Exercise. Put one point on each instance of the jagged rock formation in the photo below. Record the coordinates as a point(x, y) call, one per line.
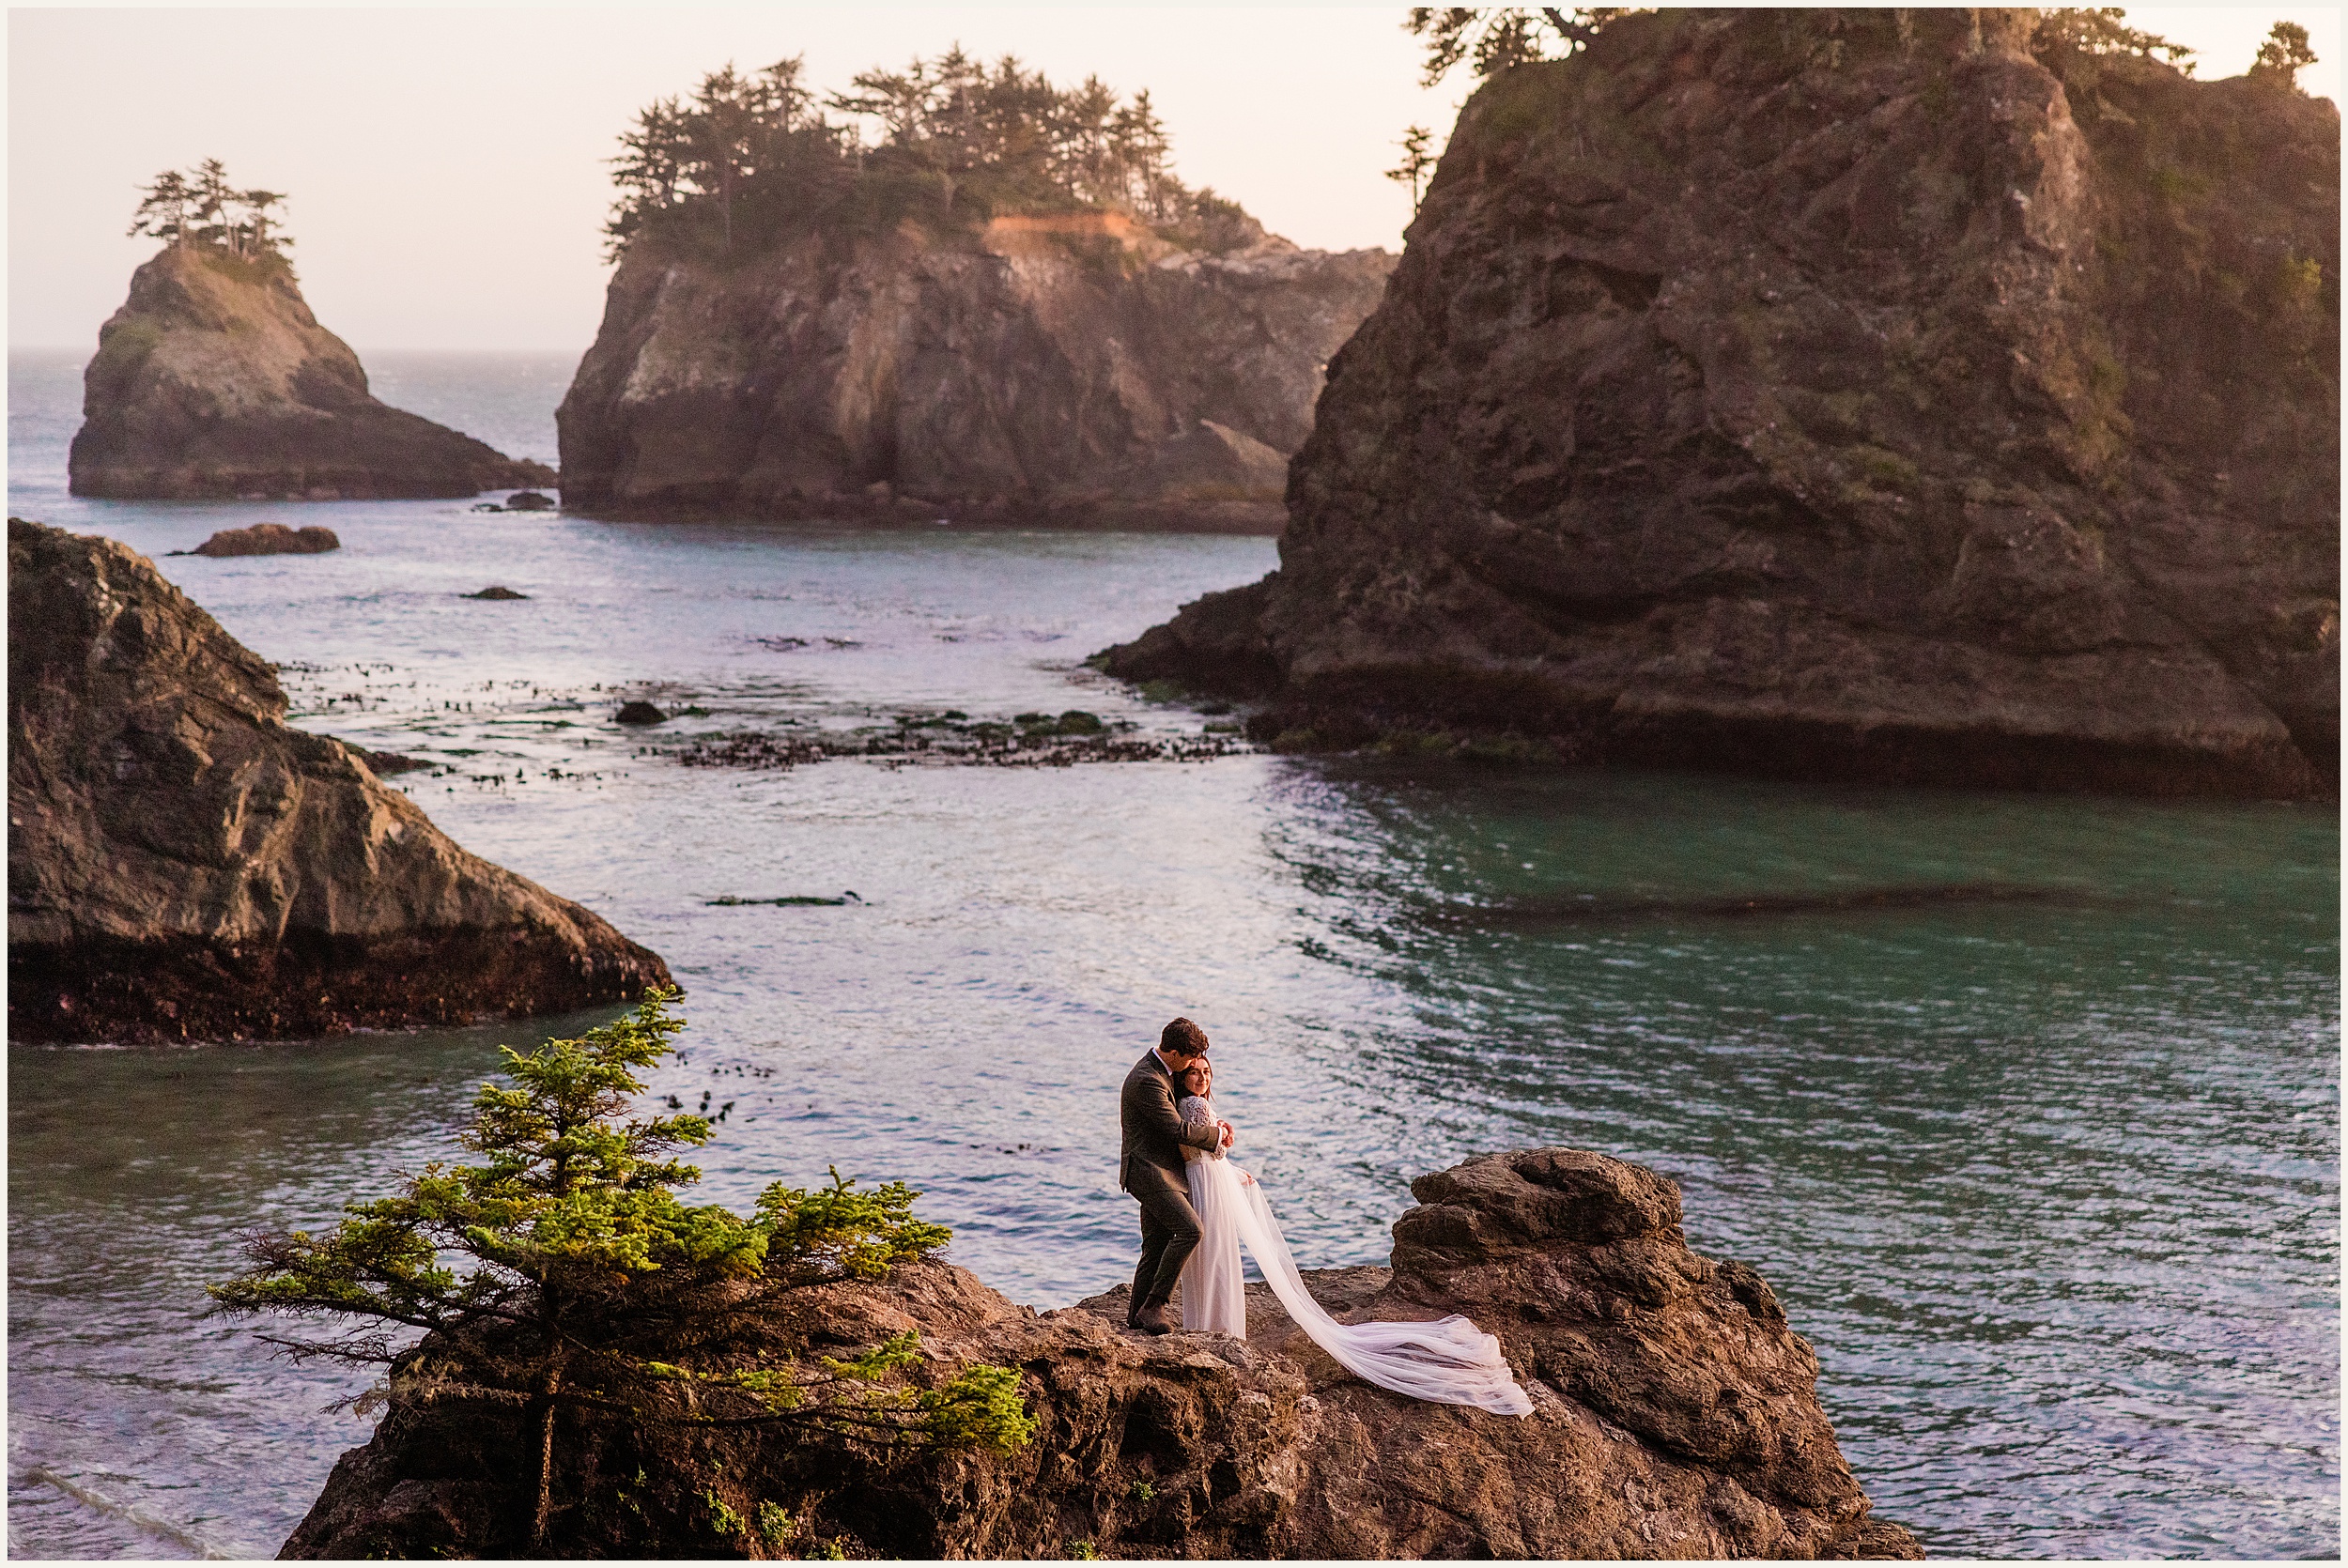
point(1076, 370)
point(1675, 1416)
point(1894, 396)
point(214, 381)
point(182, 866)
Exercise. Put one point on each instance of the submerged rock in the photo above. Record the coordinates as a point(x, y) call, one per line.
point(528, 500)
point(497, 590)
point(638, 712)
point(214, 381)
point(1072, 369)
point(182, 866)
point(1676, 1415)
point(1892, 395)
point(270, 539)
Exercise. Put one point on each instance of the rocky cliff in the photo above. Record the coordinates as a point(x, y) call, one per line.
point(1894, 396)
point(1075, 370)
point(214, 381)
point(1676, 1415)
point(182, 866)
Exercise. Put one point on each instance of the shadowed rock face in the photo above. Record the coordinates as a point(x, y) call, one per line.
point(1074, 370)
point(181, 866)
point(214, 381)
point(1675, 1416)
point(1834, 394)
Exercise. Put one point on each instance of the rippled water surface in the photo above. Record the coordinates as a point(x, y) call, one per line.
point(2050, 1181)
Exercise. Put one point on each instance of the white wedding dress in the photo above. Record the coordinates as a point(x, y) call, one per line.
point(1451, 1360)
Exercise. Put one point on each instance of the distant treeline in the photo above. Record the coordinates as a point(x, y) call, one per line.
point(752, 159)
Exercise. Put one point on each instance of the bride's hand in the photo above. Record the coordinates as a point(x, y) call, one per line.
point(1246, 1180)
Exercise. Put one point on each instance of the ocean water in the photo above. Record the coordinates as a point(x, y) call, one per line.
point(2051, 1182)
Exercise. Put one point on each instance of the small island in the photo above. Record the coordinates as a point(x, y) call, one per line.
point(214, 382)
point(959, 292)
point(1779, 465)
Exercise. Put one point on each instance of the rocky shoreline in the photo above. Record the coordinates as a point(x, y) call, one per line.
point(183, 866)
point(1675, 1416)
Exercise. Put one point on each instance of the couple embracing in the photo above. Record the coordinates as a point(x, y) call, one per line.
point(1198, 1208)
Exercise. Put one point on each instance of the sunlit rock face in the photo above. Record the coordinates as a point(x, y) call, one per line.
point(182, 866)
point(1892, 395)
point(214, 381)
point(1676, 1415)
point(1072, 370)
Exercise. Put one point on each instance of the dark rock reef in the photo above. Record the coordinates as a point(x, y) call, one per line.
point(214, 381)
point(182, 866)
point(1909, 397)
point(1072, 369)
point(267, 539)
point(1676, 1415)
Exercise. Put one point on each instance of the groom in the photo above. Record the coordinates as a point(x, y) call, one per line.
point(1149, 1166)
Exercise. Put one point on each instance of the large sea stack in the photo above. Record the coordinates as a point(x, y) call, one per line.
point(1676, 1415)
point(214, 381)
point(182, 866)
point(1906, 395)
point(1071, 369)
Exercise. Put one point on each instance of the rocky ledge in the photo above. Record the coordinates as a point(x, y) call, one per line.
point(182, 866)
point(214, 381)
point(1910, 396)
point(1072, 370)
point(1676, 1415)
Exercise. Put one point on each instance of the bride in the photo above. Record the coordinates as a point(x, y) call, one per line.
point(1451, 1360)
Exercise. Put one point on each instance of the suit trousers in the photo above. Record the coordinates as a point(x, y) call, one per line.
point(1169, 1232)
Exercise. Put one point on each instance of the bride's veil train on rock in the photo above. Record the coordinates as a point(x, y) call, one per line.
point(1449, 1361)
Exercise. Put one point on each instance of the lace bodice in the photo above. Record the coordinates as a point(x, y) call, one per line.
point(1194, 1109)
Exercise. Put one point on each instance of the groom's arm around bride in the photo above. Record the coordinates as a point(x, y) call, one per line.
point(1149, 1166)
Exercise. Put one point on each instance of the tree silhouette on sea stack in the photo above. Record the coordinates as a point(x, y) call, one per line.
point(199, 206)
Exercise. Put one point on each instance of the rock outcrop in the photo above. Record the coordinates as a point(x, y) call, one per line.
point(182, 866)
point(1873, 394)
point(1675, 1416)
point(1075, 370)
point(214, 381)
point(269, 539)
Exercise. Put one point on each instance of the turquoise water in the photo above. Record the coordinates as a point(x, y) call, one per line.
point(2052, 1181)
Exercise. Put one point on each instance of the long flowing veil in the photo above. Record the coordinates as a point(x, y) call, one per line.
point(1451, 1360)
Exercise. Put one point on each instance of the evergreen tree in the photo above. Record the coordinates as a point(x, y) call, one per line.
point(257, 234)
point(164, 207)
point(2280, 57)
point(1494, 39)
point(951, 138)
point(210, 195)
point(1418, 163)
point(199, 205)
point(2102, 30)
point(563, 1268)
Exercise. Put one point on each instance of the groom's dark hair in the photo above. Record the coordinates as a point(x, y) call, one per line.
point(1183, 1037)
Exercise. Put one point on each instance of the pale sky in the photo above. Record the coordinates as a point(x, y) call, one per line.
point(445, 165)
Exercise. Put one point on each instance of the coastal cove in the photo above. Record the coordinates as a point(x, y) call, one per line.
point(2046, 1168)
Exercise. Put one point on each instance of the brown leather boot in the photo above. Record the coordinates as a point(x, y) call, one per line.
point(1151, 1319)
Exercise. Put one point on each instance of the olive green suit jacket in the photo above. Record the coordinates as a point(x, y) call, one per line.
point(1154, 1130)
